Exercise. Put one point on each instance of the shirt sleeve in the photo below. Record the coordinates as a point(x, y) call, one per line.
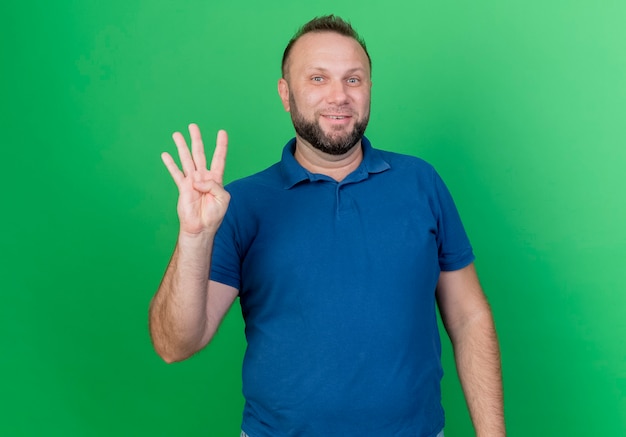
point(226, 259)
point(454, 248)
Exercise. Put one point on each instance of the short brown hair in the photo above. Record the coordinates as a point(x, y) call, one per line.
point(327, 23)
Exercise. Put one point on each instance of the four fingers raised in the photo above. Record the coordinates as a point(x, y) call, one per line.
point(195, 161)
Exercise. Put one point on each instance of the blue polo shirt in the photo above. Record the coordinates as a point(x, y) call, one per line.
point(337, 288)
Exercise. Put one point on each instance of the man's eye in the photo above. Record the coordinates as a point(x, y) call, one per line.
point(353, 80)
point(317, 79)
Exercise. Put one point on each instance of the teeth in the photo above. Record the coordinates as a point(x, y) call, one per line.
point(335, 117)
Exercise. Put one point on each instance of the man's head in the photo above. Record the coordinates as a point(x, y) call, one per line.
point(327, 23)
point(326, 85)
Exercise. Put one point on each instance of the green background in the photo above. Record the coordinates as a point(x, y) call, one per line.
point(520, 105)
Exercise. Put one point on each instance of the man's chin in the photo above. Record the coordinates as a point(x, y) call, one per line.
point(337, 137)
point(336, 140)
point(337, 146)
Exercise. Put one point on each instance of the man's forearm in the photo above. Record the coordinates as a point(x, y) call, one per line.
point(477, 357)
point(178, 317)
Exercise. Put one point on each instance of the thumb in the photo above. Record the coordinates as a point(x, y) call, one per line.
point(213, 188)
point(206, 186)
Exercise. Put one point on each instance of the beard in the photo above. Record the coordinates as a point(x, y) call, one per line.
point(337, 142)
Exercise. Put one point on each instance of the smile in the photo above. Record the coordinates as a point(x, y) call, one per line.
point(337, 117)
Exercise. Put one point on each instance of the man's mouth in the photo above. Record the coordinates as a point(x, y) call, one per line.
point(336, 116)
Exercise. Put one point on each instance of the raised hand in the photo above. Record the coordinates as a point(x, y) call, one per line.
point(202, 200)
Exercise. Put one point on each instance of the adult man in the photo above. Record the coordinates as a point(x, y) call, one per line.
point(335, 252)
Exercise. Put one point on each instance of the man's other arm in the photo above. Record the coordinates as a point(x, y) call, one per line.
point(468, 320)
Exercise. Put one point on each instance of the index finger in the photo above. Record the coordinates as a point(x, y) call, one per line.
point(218, 162)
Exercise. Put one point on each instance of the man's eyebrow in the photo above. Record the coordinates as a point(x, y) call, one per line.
point(355, 69)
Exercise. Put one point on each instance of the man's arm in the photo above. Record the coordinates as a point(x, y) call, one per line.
point(469, 323)
point(187, 308)
point(184, 316)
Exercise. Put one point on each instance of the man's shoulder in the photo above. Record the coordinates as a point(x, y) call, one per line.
point(403, 161)
point(271, 176)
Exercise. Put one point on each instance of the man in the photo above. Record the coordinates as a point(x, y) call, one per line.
point(339, 254)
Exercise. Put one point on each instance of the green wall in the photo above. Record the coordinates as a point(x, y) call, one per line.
point(520, 105)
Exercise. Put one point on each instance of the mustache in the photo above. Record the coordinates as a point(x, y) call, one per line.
point(337, 110)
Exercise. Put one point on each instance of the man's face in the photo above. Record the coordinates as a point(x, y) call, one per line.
point(327, 91)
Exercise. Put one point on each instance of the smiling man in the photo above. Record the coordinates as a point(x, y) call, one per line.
point(327, 92)
point(339, 254)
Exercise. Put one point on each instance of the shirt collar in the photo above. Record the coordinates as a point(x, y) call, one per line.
point(293, 172)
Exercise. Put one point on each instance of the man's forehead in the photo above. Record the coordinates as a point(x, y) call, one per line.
point(325, 39)
point(314, 46)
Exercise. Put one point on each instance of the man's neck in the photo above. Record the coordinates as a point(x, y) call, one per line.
point(337, 167)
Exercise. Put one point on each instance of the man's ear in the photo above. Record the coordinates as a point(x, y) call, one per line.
point(283, 92)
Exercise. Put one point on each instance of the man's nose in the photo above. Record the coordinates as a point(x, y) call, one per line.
point(337, 93)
